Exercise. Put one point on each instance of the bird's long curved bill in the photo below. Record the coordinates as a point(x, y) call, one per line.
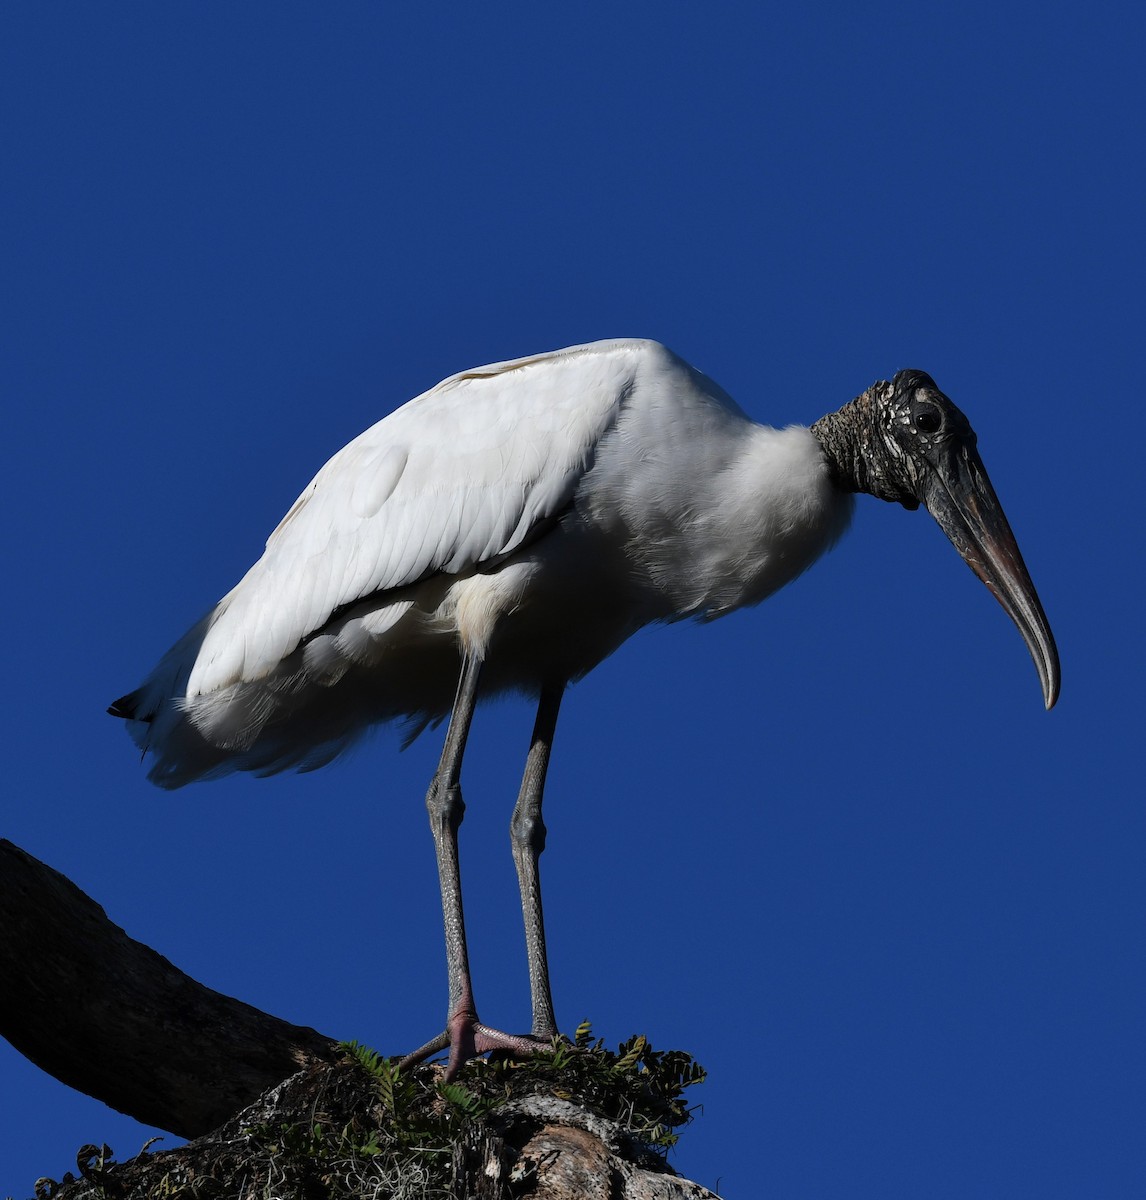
point(961, 499)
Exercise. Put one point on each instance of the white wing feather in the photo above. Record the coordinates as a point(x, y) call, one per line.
point(458, 476)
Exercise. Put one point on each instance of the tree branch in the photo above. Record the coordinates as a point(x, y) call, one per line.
point(112, 1018)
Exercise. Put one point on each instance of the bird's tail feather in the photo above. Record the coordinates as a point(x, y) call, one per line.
point(292, 719)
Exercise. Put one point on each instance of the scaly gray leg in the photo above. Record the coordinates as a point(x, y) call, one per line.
point(527, 832)
point(464, 1036)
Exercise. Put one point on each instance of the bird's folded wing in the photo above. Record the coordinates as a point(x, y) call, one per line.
point(456, 477)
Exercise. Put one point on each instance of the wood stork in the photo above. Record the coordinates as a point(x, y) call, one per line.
point(509, 529)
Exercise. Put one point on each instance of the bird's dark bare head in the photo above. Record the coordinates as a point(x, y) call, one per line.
point(905, 442)
point(887, 441)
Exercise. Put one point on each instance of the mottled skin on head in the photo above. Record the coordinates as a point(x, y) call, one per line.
point(882, 442)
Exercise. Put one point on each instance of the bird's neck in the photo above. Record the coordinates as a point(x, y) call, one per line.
point(856, 449)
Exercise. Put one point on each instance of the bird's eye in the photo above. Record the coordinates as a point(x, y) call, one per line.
point(928, 419)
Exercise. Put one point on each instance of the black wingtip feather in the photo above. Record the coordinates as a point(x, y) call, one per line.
point(125, 707)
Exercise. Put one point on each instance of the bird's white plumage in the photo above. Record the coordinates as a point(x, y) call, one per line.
point(541, 509)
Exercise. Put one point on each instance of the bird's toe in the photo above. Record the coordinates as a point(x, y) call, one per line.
point(466, 1038)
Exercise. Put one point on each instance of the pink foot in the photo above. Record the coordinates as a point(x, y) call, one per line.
point(467, 1039)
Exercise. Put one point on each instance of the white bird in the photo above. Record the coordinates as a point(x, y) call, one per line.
point(508, 530)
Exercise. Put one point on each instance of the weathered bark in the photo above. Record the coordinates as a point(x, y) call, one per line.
point(112, 1018)
point(553, 1150)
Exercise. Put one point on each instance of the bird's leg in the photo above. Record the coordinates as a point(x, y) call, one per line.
point(527, 833)
point(463, 1035)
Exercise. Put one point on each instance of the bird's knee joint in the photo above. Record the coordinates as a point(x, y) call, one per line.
point(445, 805)
point(527, 829)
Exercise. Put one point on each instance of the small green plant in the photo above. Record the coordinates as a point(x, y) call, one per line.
point(413, 1116)
point(395, 1088)
point(640, 1088)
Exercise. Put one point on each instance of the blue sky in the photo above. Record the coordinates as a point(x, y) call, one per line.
point(833, 846)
